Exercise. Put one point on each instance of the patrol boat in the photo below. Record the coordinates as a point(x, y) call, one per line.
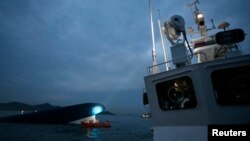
point(189, 96)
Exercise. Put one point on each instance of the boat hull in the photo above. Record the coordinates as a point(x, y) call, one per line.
point(60, 115)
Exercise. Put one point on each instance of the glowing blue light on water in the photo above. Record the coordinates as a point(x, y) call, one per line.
point(97, 110)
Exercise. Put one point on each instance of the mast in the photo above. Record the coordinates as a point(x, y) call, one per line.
point(163, 42)
point(155, 68)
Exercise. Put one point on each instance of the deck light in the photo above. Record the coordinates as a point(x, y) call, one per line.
point(200, 19)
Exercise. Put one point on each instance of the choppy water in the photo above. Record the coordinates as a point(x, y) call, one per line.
point(124, 128)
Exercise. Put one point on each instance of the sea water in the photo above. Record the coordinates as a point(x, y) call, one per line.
point(123, 128)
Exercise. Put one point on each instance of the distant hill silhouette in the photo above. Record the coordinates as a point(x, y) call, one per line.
point(106, 113)
point(18, 106)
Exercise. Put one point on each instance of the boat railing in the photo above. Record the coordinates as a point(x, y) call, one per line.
point(160, 67)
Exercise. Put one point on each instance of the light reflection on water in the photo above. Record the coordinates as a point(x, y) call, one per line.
point(93, 133)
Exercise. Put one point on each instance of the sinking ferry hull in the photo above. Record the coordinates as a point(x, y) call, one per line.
point(60, 115)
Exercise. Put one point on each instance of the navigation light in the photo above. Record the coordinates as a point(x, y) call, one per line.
point(200, 19)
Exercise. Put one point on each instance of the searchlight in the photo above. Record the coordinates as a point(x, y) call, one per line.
point(97, 109)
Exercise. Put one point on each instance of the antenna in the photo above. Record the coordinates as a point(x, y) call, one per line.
point(162, 41)
point(194, 4)
point(155, 68)
point(213, 26)
point(199, 18)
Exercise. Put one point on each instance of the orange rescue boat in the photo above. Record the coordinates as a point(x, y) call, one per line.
point(97, 124)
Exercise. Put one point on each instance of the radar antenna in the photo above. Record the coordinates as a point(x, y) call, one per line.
point(194, 4)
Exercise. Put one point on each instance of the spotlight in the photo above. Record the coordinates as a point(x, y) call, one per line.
point(173, 27)
point(97, 110)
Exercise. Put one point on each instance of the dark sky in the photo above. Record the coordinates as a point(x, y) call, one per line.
point(75, 51)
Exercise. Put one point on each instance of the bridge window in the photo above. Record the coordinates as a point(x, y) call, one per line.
point(232, 85)
point(176, 94)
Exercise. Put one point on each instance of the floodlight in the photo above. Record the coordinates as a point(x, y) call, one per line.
point(97, 110)
point(173, 27)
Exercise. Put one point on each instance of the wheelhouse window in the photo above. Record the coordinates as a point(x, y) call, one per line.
point(176, 94)
point(232, 85)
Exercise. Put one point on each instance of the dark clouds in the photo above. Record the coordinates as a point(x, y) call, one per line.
point(66, 52)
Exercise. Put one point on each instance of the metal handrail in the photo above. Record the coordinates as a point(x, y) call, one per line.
point(191, 55)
